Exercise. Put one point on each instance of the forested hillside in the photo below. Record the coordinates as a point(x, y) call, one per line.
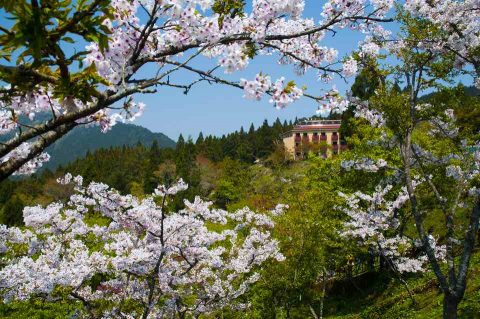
point(246, 145)
point(82, 140)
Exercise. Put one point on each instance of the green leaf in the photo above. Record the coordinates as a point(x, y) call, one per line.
point(68, 39)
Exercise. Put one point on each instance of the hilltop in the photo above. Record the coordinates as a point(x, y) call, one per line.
point(82, 140)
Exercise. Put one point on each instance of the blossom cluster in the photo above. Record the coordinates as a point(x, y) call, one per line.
point(444, 126)
point(369, 48)
point(198, 258)
point(127, 113)
point(281, 94)
point(362, 110)
point(364, 164)
point(373, 220)
point(348, 8)
point(23, 151)
point(255, 89)
point(464, 167)
point(458, 25)
point(23, 110)
point(13, 108)
point(350, 67)
point(334, 103)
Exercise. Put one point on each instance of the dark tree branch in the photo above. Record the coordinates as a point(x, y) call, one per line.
point(13, 164)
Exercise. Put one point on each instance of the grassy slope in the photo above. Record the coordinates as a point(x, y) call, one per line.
point(383, 298)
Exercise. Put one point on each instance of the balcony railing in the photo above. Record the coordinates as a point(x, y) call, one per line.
point(334, 137)
point(323, 137)
point(321, 122)
point(298, 138)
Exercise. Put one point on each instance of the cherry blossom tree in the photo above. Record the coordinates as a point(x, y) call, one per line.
point(454, 29)
point(138, 46)
point(435, 164)
point(125, 257)
point(434, 167)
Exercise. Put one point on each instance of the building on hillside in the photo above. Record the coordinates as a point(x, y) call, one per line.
point(320, 137)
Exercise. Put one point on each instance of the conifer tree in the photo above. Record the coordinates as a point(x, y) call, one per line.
point(200, 139)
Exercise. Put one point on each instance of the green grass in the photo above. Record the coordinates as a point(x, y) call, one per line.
point(38, 310)
point(386, 298)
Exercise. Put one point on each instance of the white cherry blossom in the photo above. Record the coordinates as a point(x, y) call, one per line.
point(163, 262)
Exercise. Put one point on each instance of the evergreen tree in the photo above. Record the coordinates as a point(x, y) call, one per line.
point(12, 213)
point(251, 130)
point(155, 153)
point(180, 142)
point(185, 161)
point(200, 139)
point(366, 82)
point(155, 157)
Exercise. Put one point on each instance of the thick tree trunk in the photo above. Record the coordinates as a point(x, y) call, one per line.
point(450, 307)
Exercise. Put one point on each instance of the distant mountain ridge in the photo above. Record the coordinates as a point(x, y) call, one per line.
point(469, 90)
point(81, 140)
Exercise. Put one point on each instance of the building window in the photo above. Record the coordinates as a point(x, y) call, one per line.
point(334, 136)
point(335, 143)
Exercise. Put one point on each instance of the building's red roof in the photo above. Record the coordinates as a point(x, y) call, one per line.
point(316, 127)
point(324, 125)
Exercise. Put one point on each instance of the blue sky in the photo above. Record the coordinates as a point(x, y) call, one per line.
point(216, 109)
